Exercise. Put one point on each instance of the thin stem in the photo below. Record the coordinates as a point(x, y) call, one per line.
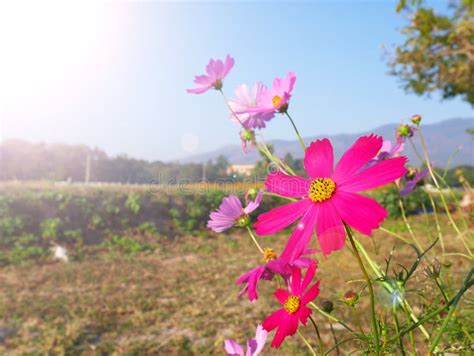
point(336, 344)
point(336, 347)
point(438, 228)
point(254, 239)
point(333, 318)
point(379, 274)
point(357, 320)
point(394, 234)
point(375, 329)
point(321, 347)
point(397, 328)
point(410, 334)
point(279, 196)
point(297, 132)
point(307, 343)
point(443, 200)
point(405, 220)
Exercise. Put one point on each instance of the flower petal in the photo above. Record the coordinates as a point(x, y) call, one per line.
point(251, 278)
point(363, 150)
point(282, 295)
point(296, 281)
point(331, 234)
point(301, 237)
point(303, 313)
point(272, 321)
point(362, 213)
point(251, 206)
point(279, 218)
point(311, 294)
point(319, 159)
point(287, 328)
point(233, 348)
point(308, 277)
point(379, 174)
point(287, 186)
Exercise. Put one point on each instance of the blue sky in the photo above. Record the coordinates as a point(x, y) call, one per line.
point(114, 76)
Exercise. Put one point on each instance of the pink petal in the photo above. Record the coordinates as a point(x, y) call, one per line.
point(311, 294)
point(319, 159)
point(202, 80)
point(279, 218)
point(362, 213)
point(375, 176)
point(363, 150)
point(296, 281)
point(272, 321)
point(301, 237)
point(287, 328)
point(303, 313)
point(251, 279)
point(199, 90)
point(287, 186)
point(331, 234)
point(282, 295)
point(228, 65)
point(233, 348)
point(255, 348)
point(308, 277)
point(251, 206)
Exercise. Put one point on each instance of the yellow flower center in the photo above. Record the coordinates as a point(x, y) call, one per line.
point(217, 84)
point(276, 101)
point(269, 254)
point(292, 304)
point(321, 189)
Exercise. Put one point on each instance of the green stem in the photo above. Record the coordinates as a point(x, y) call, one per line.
point(394, 234)
point(297, 132)
point(333, 318)
point(379, 274)
point(279, 196)
point(307, 343)
point(321, 347)
point(405, 220)
point(357, 320)
point(410, 334)
point(336, 344)
point(397, 328)
point(443, 200)
point(375, 329)
point(254, 239)
point(438, 228)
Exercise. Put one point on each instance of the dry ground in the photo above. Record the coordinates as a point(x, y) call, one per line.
point(179, 300)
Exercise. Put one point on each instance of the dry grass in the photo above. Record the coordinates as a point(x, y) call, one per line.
point(179, 300)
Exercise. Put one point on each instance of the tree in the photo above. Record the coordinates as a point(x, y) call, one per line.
point(438, 53)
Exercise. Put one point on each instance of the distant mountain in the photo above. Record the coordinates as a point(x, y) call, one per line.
point(446, 140)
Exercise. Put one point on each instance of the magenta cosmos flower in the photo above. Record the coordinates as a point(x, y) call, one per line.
point(273, 265)
point(276, 98)
point(231, 212)
point(245, 100)
point(412, 183)
point(329, 198)
point(254, 346)
point(216, 72)
point(294, 309)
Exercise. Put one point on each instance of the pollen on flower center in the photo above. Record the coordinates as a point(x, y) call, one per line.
point(217, 84)
point(321, 189)
point(269, 254)
point(292, 304)
point(276, 101)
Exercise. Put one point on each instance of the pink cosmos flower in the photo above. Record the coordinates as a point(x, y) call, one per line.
point(216, 72)
point(266, 271)
point(388, 151)
point(254, 346)
point(245, 100)
point(231, 212)
point(329, 198)
point(276, 98)
point(411, 184)
point(294, 305)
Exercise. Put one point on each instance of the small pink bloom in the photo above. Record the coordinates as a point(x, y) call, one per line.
point(411, 184)
point(216, 72)
point(246, 100)
point(388, 151)
point(294, 302)
point(275, 99)
point(329, 198)
point(273, 265)
point(254, 346)
point(230, 212)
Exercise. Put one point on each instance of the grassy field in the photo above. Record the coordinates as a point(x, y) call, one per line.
point(178, 296)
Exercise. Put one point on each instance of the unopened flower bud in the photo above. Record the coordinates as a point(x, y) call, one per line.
point(405, 131)
point(416, 119)
point(251, 194)
point(327, 306)
point(350, 298)
point(244, 221)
